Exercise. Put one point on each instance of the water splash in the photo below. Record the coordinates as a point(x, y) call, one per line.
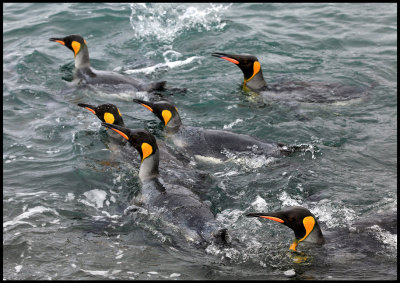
point(166, 21)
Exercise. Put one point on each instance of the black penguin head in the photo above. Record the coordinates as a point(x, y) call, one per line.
point(143, 141)
point(249, 64)
point(299, 219)
point(74, 42)
point(108, 113)
point(164, 110)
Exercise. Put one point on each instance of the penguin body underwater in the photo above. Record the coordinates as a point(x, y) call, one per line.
point(86, 74)
point(374, 232)
point(290, 91)
point(208, 142)
point(300, 220)
point(179, 167)
point(176, 204)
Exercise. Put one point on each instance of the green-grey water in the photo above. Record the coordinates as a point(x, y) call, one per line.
point(65, 190)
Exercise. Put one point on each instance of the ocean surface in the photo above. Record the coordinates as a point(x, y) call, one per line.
point(65, 189)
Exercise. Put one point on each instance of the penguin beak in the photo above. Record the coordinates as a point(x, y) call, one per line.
point(59, 40)
point(88, 107)
point(124, 132)
point(146, 104)
point(228, 57)
point(269, 216)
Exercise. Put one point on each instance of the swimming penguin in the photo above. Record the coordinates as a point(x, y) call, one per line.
point(176, 204)
point(211, 143)
point(197, 180)
point(108, 113)
point(306, 92)
point(300, 220)
point(84, 73)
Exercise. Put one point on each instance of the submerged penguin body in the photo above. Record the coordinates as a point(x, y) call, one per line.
point(174, 203)
point(289, 91)
point(209, 142)
point(85, 74)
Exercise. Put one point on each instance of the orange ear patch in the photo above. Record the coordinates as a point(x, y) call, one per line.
point(76, 46)
point(273, 218)
point(147, 150)
point(109, 118)
point(309, 223)
point(166, 115)
point(256, 69)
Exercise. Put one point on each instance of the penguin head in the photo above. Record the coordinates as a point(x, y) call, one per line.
point(108, 113)
point(300, 220)
point(164, 110)
point(143, 141)
point(75, 42)
point(250, 67)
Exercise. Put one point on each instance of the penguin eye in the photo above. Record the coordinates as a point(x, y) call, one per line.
point(109, 118)
point(147, 150)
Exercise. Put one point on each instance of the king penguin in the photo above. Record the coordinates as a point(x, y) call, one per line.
point(290, 91)
point(86, 74)
point(178, 166)
point(108, 113)
point(175, 204)
point(300, 220)
point(211, 143)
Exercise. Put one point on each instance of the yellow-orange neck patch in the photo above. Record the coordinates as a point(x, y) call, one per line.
point(147, 150)
point(109, 118)
point(293, 246)
point(309, 224)
point(256, 69)
point(76, 46)
point(166, 115)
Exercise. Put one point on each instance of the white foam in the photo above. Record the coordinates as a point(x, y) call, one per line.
point(69, 197)
point(251, 161)
point(259, 204)
point(230, 125)
point(288, 201)
point(384, 236)
point(96, 272)
point(208, 159)
point(28, 214)
point(18, 268)
point(166, 21)
point(175, 275)
point(97, 196)
point(166, 65)
point(326, 212)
